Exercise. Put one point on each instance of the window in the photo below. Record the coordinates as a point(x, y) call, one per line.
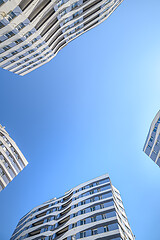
point(82, 222)
point(155, 152)
point(75, 214)
point(83, 202)
point(31, 62)
point(28, 34)
point(43, 49)
point(74, 225)
point(104, 181)
point(94, 231)
point(21, 56)
point(106, 229)
point(113, 226)
point(48, 219)
point(82, 234)
point(63, 13)
point(18, 41)
point(6, 48)
point(1, 172)
point(27, 59)
point(35, 55)
point(66, 20)
point(45, 229)
point(93, 219)
point(101, 206)
point(39, 45)
point(60, 3)
point(74, 5)
point(155, 129)
point(1, 24)
point(83, 211)
point(92, 199)
point(10, 16)
point(20, 26)
point(10, 34)
point(103, 216)
point(46, 53)
point(92, 209)
point(25, 46)
point(39, 58)
point(13, 53)
point(5, 179)
point(151, 139)
point(75, 14)
point(76, 205)
point(34, 40)
point(76, 22)
point(1, 2)
point(31, 51)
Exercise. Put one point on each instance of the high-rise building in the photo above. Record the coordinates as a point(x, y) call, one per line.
point(32, 32)
point(12, 160)
point(93, 210)
point(152, 144)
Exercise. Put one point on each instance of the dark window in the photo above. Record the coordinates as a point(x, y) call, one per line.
point(20, 26)
point(1, 2)
point(1, 25)
point(28, 34)
point(10, 34)
point(11, 15)
point(6, 48)
point(15, 52)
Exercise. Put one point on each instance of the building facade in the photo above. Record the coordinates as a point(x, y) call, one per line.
point(32, 32)
point(92, 210)
point(12, 160)
point(152, 144)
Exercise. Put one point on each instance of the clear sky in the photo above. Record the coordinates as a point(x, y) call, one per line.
point(88, 112)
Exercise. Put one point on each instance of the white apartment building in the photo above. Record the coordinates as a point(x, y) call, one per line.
point(152, 143)
point(12, 160)
point(91, 211)
point(32, 32)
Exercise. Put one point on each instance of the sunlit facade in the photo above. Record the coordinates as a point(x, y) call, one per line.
point(32, 32)
point(12, 160)
point(93, 210)
point(152, 144)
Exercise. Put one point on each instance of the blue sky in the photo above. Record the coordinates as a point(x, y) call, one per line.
point(88, 112)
